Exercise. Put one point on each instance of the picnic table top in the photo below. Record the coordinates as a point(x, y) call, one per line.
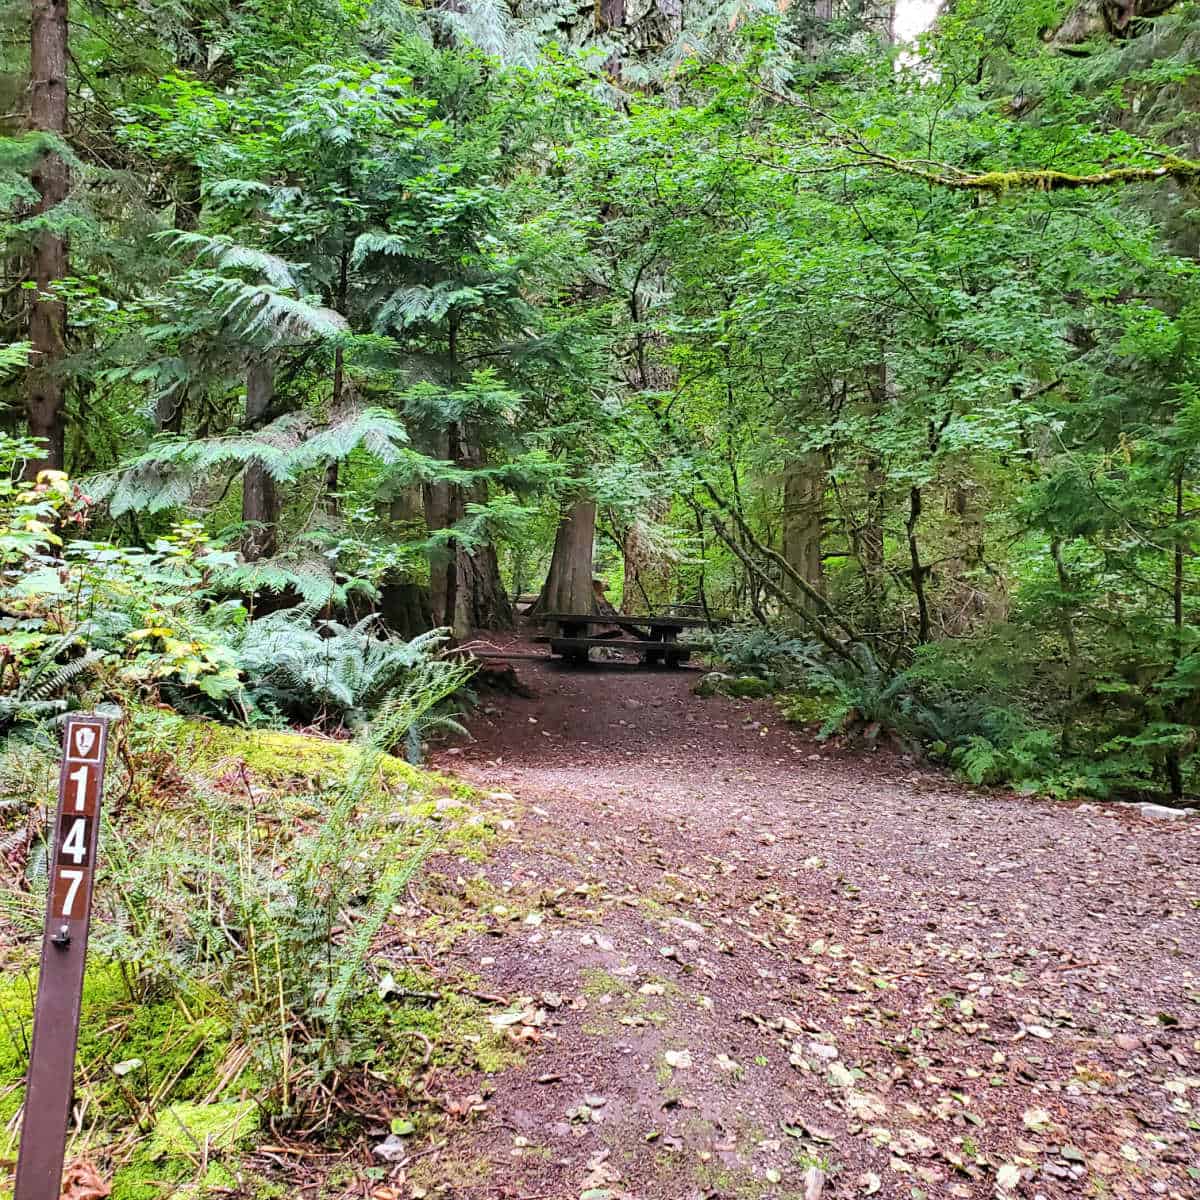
point(625, 619)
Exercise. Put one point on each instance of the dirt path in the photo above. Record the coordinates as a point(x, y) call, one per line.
point(754, 968)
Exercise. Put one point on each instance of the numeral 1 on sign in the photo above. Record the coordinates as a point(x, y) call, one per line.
point(48, 1085)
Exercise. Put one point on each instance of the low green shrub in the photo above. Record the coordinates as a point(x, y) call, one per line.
point(760, 651)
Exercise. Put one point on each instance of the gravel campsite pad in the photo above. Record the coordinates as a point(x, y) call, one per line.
point(742, 963)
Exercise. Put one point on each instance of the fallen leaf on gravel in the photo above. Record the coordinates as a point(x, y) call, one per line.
point(462, 1106)
point(801, 1129)
point(504, 1019)
point(600, 1173)
point(867, 1106)
point(392, 1149)
point(678, 1060)
point(840, 1076)
point(1008, 1177)
point(1037, 1119)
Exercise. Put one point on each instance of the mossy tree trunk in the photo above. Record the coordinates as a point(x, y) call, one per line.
point(803, 518)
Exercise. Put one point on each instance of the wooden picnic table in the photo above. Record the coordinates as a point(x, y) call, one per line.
point(655, 638)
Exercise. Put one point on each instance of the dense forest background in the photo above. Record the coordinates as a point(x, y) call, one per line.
point(889, 354)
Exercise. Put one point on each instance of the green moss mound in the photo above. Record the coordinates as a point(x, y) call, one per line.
point(279, 758)
point(184, 1129)
point(801, 708)
point(129, 1049)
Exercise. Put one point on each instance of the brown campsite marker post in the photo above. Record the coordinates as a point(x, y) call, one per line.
point(72, 869)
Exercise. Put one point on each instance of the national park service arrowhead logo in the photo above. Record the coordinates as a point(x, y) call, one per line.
point(85, 741)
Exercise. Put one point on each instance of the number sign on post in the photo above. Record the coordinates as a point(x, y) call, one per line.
point(48, 1086)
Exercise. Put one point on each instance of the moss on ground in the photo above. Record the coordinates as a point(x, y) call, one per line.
point(296, 764)
point(203, 1129)
point(456, 1027)
point(278, 758)
point(131, 1051)
point(450, 1174)
point(628, 1005)
point(803, 708)
point(144, 1179)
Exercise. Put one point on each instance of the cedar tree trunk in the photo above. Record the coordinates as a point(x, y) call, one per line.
point(568, 586)
point(465, 588)
point(47, 315)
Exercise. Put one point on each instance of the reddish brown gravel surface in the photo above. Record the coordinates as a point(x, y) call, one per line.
point(744, 964)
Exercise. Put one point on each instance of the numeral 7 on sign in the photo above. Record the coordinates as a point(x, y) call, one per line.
point(74, 878)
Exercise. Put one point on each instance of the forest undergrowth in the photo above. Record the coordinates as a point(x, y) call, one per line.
point(240, 990)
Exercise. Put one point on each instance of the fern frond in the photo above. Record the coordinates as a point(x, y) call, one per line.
point(61, 678)
point(377, 241)
point(408, 305)
point(229, 255)
point(266, 312)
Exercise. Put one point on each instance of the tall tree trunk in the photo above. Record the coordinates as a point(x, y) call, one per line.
point(465, 588)
point(330, 497)
point(803, 516)
point(870, 536)
point(260, 500)
point(440, 513)
point(1175, 711)
point(482, 601)
point(918, 572)
point(568, 586)
point(403, 602)
point(48, 315)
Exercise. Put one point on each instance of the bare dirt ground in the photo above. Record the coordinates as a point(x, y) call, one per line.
point(750, 966)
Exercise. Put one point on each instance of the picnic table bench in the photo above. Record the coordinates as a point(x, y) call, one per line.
point(655, 638)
